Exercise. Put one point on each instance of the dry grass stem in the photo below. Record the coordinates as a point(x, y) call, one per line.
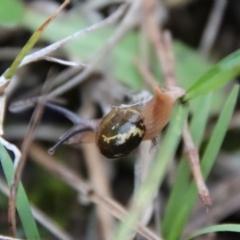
point(64, 62)
point(148, 77)
point(193, 158)
point(162, 49)
point(18, 170)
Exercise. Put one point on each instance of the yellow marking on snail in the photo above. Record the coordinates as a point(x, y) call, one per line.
point(125, 136)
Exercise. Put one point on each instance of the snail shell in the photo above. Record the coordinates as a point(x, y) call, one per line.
point(120, 132)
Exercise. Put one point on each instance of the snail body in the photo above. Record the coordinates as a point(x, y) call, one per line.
point(158, 112)
point(124, 128)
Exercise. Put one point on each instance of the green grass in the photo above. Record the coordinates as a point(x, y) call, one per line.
point(217, 228)
point(22, 204)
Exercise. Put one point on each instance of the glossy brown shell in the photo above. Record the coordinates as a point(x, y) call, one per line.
point(120, 132)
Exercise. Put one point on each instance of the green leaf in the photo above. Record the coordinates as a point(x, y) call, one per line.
point(216, 77)
point(22, 204)
point(11, 12)
point(217, 228)
point(208, 159)
point(156, 174)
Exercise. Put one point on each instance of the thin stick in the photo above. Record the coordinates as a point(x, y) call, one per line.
point(148, 77)
point(193, 157)
point(164, 55)
point(20, 165)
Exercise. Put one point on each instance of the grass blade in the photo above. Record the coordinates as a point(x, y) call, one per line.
point(22, 204)
point(156, 174)
point(216, 77)
point(207, 162)
point(31, 42)
point(182, 182)
point(217, 228)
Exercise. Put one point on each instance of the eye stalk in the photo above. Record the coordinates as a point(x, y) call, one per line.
point(123, 129)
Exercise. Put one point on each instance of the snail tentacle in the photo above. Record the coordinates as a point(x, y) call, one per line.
point(70, 133)
point(81, 125)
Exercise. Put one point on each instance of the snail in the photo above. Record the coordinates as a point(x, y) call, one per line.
point(123, 129)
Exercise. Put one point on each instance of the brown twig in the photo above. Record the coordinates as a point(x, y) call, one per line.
point(148, 77)
point(19, 168)
point(193, 157)
point(165, 56)
point(20, 165)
